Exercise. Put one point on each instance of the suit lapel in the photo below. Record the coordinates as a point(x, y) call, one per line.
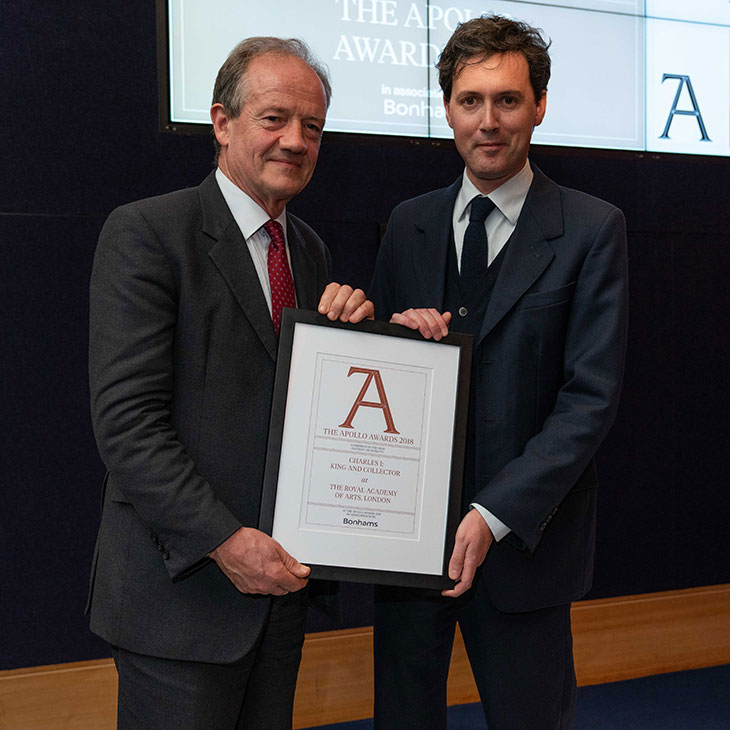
point(529, 252)
point(431, 255)
point(230, 255)
point(303, 267)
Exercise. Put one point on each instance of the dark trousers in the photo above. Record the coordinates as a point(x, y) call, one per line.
point(254, 693)
point(522, 662)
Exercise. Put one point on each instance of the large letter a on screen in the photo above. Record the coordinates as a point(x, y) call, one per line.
point(684, 80)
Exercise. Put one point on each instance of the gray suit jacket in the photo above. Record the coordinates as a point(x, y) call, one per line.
point(547, 373)
point(182, 359)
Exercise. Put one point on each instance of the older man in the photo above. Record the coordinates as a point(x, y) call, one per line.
point(205, 613)
point(537, 274)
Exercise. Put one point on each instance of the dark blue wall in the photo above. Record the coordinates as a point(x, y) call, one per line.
point(78, 126)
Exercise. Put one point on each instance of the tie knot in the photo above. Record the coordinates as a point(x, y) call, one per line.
point(481, 207)
point(275, 231)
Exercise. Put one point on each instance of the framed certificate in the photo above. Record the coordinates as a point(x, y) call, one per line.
point(366, 446)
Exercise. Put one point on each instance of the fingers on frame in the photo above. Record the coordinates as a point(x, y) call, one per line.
point(352, 304)
point(328, 295)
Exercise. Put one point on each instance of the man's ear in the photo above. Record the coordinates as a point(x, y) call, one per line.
point(448, 113)
point(541, 107)
point(219, 117)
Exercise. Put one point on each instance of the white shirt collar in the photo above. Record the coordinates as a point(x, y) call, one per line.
point(248, 214)
point(508, 197)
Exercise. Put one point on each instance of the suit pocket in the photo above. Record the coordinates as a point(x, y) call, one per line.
point(549, 298)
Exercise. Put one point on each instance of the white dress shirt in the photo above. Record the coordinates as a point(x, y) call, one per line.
point(250, 218)
point(508, 199)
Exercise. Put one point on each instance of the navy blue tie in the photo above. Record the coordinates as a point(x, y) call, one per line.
point(474, 251)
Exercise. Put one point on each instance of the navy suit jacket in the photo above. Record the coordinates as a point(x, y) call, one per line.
point(182, 359)
point(547, 373)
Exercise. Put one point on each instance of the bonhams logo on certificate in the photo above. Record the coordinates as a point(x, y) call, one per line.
point(364, 456)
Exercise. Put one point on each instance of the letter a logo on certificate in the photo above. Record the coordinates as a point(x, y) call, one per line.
point(382, 403)
point(363, 474)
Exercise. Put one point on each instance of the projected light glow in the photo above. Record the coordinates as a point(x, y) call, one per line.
point(649, 75)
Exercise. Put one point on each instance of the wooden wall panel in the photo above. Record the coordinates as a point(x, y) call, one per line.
point(615, 639)
point(78, 696)
point(637, 636)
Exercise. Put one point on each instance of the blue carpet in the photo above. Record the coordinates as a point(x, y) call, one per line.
point(696, 700)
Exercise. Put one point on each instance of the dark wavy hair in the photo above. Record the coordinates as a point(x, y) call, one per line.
point(483, 37)
point(231, 88)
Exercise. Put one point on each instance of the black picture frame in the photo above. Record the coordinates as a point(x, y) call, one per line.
point(346, 566)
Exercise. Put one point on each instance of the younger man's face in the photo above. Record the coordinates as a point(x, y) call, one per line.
point(493, 111)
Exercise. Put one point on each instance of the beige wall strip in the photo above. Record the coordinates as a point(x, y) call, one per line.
point(615, 639)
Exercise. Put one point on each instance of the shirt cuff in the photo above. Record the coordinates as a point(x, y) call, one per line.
point(498, 528)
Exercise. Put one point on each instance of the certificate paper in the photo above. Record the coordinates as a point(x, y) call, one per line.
point(362, 450)
point(364, 470)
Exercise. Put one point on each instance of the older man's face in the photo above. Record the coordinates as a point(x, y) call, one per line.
point(271, 148)
point(493, 111)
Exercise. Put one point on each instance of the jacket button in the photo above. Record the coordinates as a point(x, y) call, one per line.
point(165, 555)
point(463, 311)
point(543, 525)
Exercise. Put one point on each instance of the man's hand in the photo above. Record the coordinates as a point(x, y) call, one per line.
point(429, 322)
point(345, 303)
point(473, 540)
point(256, 563)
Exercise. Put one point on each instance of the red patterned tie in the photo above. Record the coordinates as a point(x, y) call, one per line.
point(280, 281)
